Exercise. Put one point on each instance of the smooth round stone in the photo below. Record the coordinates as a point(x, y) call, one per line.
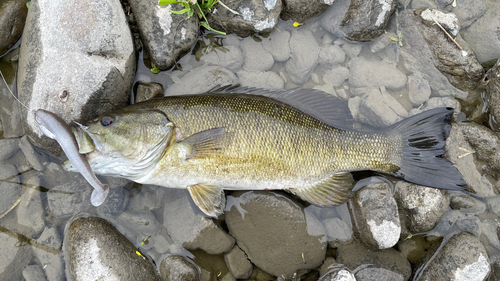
point(179, 268)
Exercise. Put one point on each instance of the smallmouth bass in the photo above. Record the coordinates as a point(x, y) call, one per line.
point(240, 138)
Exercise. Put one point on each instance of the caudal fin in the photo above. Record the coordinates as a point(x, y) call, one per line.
point(424, 138)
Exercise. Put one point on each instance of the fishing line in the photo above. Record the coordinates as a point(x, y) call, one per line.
point(7, 85)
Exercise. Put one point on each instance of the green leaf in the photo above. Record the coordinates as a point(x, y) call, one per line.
point(155, 70)
point(205, 25)
point(28, 4)
point(167, 2)
point(393, 38)
point(180, 12)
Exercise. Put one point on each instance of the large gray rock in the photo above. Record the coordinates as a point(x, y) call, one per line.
point(95, 250)
point(50, 255)
point(463, 257)
point(420, 208)
point(77, 60)
point(230, 57)
point(254, 16)
point(376, 215)
point(178, 268)
point(278, 45)
point(13, 258)
point(238, 264)
point(460, 153)
point(482, 35)
point(492, 80)
point(417, 57)
point(331, 20)
point(355, 255)
point(191, 229)
point(304, 56)
point(274, 232)
point(373, 74)
point(165, 35)
point(460, 68)
point(301, 11)
point(12, 17)
point(202, 79)
point(367, 19)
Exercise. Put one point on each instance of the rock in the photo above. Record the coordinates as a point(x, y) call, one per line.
point(135, 223)
point(89, 74)
point(13, 258)
point(492, 80)
point(265, 80)
point(377, 109)
point(458, 153)
point(165, 35)
point(188, 227)
point(147, 91)
point(377, 274)
point(34, 158)
point(8, 147)
point(458, 202)
point(460, 68)
point(278, 45)
point(179, 268)
point(336, 76)
point(50, 254)
point(145, 197)
point(11, 191)
point(331, 20)
point(254, 17)
point(414, 248)
point(231, 57)
point(436, 103)
point(34, 273)
point(337, 230)
point(202, 79)
point(376, 215)
point(332, 271)
point(480, 35)
point(256, 57)
point(419, 89)
point(238, 264)
point(355, 254)
point(417, 56)
point(486, 146)
point(95, 250)
point(268, 222)
point(331, 56)
point(10, 111)
point(463, 257)
point(367, 19)
point(448, 21)
point(30, 211)
point(373, 74)
point(352, 50)
point(420, 208)
point(70, 198)
point(12, 17)
point(302, 11)
point(304, 56)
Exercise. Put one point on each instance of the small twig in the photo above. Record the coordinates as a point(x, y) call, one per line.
point(445, 32)
point(231, 10)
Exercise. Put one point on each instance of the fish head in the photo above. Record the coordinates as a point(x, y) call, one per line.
point(125, 143)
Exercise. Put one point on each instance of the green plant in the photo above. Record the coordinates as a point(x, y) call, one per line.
point(397, 39)
point(192, 6)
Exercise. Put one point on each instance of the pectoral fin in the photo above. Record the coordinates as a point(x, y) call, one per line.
point(333, 191)
point(209, 198)
point(205, 143)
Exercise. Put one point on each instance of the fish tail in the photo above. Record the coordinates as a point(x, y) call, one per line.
point(424, 138)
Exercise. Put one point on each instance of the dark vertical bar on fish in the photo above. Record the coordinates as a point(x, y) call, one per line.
point(56, 128)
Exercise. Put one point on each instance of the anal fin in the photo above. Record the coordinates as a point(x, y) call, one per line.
point(209, 198)
point(332, 191)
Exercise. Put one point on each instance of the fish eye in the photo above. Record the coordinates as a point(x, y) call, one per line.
point(107, 121)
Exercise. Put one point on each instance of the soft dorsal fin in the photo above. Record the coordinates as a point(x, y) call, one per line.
point(320, 105)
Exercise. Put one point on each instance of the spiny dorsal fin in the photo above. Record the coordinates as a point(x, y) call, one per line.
point(333, 191)
point(318, 104)
point(205, 143)
point(209, 198)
